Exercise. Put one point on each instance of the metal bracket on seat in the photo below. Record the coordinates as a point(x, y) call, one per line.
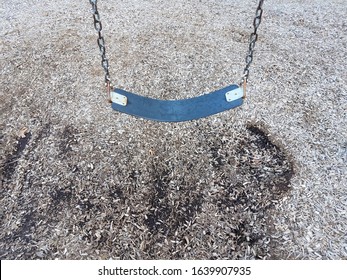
point(177, 110)
point(119, 98)
point(234, 94)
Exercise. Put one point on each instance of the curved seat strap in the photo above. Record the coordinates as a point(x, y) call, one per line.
point(177, 110)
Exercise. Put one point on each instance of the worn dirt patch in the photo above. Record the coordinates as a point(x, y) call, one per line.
point(164, 209)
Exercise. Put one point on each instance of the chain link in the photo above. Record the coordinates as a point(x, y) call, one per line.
point(101, 42)
point(253, 39)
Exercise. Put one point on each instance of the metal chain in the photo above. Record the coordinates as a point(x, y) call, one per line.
point(101, 44)
point(252, 41)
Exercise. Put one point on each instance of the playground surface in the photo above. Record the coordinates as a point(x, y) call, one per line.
point(267, 180)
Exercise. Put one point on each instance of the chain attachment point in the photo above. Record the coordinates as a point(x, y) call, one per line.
point(108, 91)
point(244, 89)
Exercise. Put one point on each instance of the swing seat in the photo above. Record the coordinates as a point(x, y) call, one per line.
point(177, 110)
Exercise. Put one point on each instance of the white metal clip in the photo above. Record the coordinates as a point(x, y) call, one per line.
point(119, 98)
point(234, 94)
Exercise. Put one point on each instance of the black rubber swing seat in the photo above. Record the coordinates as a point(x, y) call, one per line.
point(177, 110)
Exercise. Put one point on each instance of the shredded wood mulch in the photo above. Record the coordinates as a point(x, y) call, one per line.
point(167, 206)
point(264, 181)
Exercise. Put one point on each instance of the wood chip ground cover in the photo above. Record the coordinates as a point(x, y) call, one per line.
point(264, 181)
